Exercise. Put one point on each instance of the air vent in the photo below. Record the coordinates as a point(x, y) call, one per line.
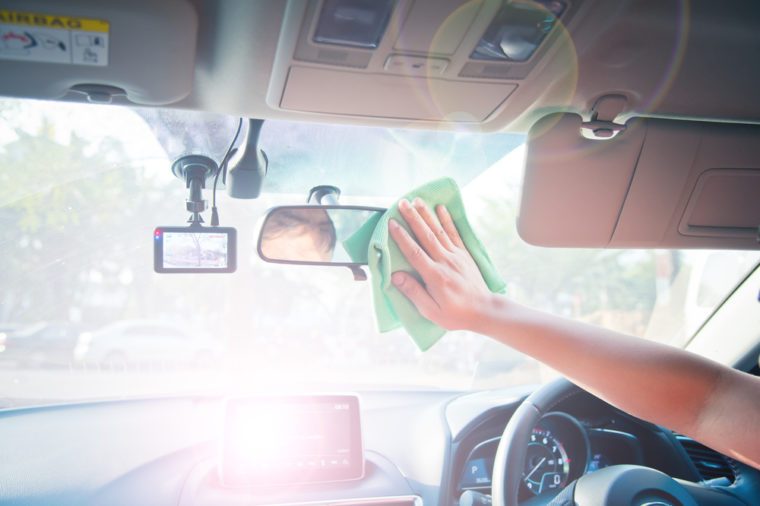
point(709, 463)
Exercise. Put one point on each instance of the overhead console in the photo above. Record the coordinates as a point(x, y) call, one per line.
point(417, 60)
point(657, 184)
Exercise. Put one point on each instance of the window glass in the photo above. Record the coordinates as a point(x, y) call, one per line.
point(82, 188)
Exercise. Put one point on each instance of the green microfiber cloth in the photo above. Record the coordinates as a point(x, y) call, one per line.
point(372, 244)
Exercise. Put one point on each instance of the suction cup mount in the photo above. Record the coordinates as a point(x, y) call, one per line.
point(195, 171)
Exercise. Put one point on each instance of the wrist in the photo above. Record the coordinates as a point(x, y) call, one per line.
point(490, 310)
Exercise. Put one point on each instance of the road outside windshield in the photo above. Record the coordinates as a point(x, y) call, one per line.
point(83, 315)
point(186, 250)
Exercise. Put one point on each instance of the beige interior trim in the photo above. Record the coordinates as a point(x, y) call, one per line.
point(658, 184)
point(667, 62)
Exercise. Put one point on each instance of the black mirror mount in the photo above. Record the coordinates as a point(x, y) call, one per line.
point(358, 272)
point(324, 195)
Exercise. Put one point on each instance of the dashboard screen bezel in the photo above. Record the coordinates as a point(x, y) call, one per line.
point(232, 477)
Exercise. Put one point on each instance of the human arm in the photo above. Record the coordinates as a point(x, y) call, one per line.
point(669, 386)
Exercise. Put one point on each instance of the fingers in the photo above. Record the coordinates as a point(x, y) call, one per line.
point(416, 293)
point(449, 226)
point(412, 251)
point(432, 222)
point(424, 234)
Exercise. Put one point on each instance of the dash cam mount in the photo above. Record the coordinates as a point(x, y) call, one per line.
point(195, 171)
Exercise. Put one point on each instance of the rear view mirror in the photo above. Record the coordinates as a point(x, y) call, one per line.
point(315, 235)
point(194, 249)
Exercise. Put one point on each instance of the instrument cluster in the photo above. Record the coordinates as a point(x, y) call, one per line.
point(560, 449)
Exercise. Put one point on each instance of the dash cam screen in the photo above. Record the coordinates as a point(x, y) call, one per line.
point(195, 249)
point(189, 250)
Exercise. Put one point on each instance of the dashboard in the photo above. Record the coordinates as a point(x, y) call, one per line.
point(415, 448)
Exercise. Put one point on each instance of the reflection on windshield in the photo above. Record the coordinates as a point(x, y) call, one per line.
point(82, 314)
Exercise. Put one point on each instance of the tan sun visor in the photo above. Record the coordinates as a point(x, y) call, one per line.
point(659, 183)
point(142, 51)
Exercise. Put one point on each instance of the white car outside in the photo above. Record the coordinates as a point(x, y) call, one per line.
point(146, 341)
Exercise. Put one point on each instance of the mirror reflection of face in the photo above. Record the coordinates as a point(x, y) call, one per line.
point(295, 245)
point(306, 235)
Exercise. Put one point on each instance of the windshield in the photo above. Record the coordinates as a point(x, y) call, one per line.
point(83, 315)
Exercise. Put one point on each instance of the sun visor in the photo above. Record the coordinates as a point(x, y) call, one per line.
point(141, 51)
point(657, 184)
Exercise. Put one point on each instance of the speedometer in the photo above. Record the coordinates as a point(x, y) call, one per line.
point(547, 465)
point(557, 454)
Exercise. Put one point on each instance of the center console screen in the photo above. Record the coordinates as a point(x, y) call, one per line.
point(291, 439)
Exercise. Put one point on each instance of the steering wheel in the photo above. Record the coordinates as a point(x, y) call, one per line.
point(614, 485)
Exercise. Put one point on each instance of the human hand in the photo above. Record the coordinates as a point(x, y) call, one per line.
point(454, 292)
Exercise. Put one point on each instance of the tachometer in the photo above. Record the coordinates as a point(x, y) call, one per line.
point(547, 465)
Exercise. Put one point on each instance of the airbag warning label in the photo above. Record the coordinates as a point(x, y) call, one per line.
point(28, 36)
